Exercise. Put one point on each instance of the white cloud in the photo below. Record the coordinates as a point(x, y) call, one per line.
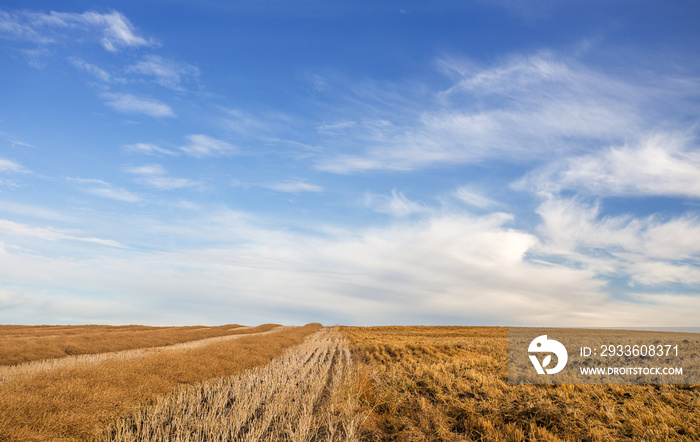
point(395, 204)
point(205, 146)
point(34, 211)
point(658, 164)
point(156, 176)
point(652, 273)
point(646, 250)
point(113, 29)
point(130, 104)
point(105, 190)
point(336, 126)
point(442, 267)
point(525, 110)
point(117, 29)
point(473, 197)
point(10, 166)
point(91, 69)
point(164, 72)
point(295, 187)
point(114, 193)
point(149, 148)
point(50, 234)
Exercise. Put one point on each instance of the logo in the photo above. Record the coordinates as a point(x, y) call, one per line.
point(543, 345)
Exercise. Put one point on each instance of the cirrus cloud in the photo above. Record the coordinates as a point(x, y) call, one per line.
point(113, 29)
point(131, 104)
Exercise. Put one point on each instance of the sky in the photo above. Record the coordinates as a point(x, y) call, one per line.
point(350, 162)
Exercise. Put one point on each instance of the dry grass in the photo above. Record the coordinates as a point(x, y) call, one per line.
point(19, 344)
point(450, 383)
point(10, 372)
point(304, 395)
point(80, 402)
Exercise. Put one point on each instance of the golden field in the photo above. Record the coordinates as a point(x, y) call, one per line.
point(80, 401)
point(314, 383)
point(25, 344)
point(451, 383)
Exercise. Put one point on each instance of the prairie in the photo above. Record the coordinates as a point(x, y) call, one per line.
point(20, 344)
point(317, 383)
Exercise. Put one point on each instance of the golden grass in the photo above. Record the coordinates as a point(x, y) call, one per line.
point(304, 395)
point(9, 372)
point(80, 402)
point(19, 344)
point(450, 383)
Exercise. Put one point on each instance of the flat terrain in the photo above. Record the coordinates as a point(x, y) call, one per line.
point(314, 383)
point(81, 400)
point(34, 343)
point(450, 383)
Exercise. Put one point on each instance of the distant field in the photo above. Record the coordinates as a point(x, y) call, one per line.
point(316, 383)
point(450, 383)
point(20, 343)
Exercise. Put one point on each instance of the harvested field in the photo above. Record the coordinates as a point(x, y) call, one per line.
point(10, 372)
point(305, 395)
point(329, 384)
point(19, 344)
point(450, 383)
point(80, 402)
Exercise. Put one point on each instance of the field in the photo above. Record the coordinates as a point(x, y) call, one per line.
point(80, 400)
point(450, 383)
point(312, 383)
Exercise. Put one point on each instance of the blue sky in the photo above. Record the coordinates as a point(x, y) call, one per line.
point(481, 162)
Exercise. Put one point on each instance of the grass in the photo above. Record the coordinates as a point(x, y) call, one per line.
point(450, 383)
point(304, 395)
point(80, 402)
point(20, 344)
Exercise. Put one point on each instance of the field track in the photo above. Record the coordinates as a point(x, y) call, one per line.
point(304, 395)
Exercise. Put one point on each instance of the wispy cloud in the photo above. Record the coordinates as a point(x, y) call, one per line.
point(164, 72)
point(395, 204)
point(156, 176)
point(661, 163)
point(34, 211)
point(91, 69)
point(113, 29)
point(295, 187)
point(149, 149)
point(527, 109)
point(473, 197)
point(336, 126)
point(205, 146)
point(14, 142)
point(621, 246)
point(198, 146)
point(105, 190)
point(50, 234)
point(10, 166)
point(130, 104)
